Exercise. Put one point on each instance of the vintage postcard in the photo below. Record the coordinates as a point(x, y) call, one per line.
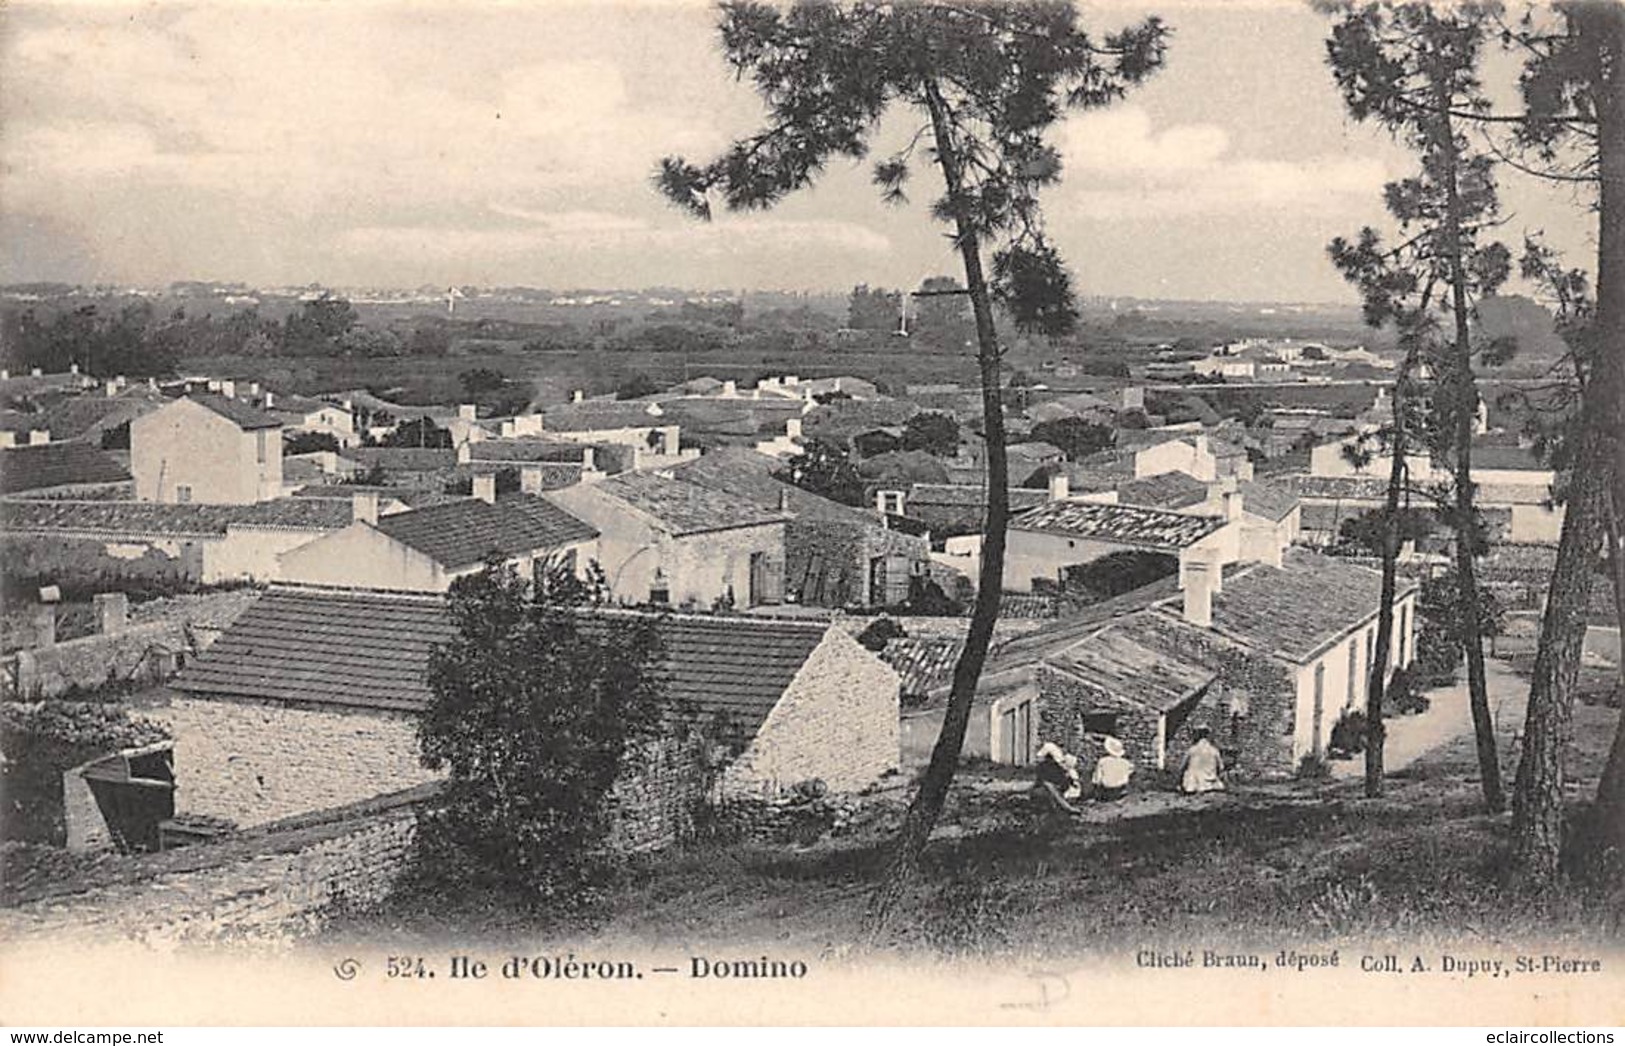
point(934, 512)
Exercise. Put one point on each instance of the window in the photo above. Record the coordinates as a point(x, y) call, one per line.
point(1354, 665)
point(183, 494)
point(259, 446)
point(659, 588)
point(1101, 723)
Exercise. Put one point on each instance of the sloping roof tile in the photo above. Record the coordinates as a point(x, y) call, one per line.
point(149, 517)
point(56, 465)
point(1269, 500)
point(1124, 524)
point(460, 534)
point(600, 416)
point(527, 450)
point(924, 663)
point(243, 415)
point(686, 508)
point(372, 651)
point(1168, 490)
point(1128, 662)
point(1295, 610)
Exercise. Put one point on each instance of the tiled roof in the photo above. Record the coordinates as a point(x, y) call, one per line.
point(526, 450)
point(1168, 490)
point(243, 415)
point(924, 663)
point(462, 533)
point(1319, 516)
point(1269, 500)
point(150, 517)
point(73, 418)
point(17, 421)
point(1513, 493)
point(325, 648)
point(1295, 610)
point(406, 459)
point(1126, 660)
point(372, 651)
point(1026, 650)
point(1115, 463)
point(946, 494)
point(1336, 488)
point(750, 475)
point(1125, 524)
point(597, 416)
point(56, 465)
point(683, 507)
point(843, 419)
point(1035, 450)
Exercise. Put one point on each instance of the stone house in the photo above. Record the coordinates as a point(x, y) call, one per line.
point(1268, 660)
point(835, 555)
point(1044, 543)
point(667, 540)
point(426, 549)
point(207, 449)
point(62, 470)
point(310, 701)
point(1270, 515)
point(302, 414)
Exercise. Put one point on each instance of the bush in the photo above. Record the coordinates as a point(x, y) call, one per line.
point(1438, 654)
point(41, 740)
point(879, 632)
point(1348, 735)
point(1404, 694)
point(1313, 767)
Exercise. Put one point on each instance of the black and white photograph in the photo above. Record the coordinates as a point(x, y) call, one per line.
point(554, 513)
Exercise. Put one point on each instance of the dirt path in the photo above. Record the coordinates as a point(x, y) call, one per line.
point(1447, 718)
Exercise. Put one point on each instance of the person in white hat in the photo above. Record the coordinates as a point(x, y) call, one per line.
point(1109, 782)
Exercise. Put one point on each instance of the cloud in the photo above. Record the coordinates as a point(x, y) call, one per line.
point(1117, 164)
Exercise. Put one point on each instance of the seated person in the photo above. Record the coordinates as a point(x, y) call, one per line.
point(1053, 780)
point(1112, 772)
point(1204, 766)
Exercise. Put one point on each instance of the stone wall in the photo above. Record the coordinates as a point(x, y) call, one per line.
point(145, 653)
point(662, 787)
point(280, 879)
point(253, 762)
point(1063, 701)
point(827, 562)
point(837, 721)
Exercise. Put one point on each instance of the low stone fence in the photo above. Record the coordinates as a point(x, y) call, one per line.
point(280, 879)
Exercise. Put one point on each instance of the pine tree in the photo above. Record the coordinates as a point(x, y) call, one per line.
point(1411, 68)
point(987, 82)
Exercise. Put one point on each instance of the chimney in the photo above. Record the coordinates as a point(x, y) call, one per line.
point(530, 479)
point(364, 507)
point(112, 612)
point(1232, 505)
point(228, 389)
point(36, 372)
point(5, 374)
point(270, 400)
point(465, 453)
point(792, 428)
point(792, 380)
point(784, 499)
point(1060, 487)
point(589, 460)
point(880, 502)
point(110, 389)
point(37, 437)
point(253, 390)
point(468, 412)
point(152, 383)
point(44, 625)
point(347, 403)
point(1133, 398)
point(1199, 592)
point(485, 487)
point(577, 396)
point(730, 388)
point(73, 368)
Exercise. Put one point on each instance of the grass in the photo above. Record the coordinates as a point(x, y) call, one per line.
point(1270, 866)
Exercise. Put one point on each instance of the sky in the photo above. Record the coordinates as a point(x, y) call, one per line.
point(393, 143)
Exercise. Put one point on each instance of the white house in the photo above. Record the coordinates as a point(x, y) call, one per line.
point(208, 449)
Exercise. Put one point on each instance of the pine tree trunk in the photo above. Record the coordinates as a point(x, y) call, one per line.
point(903, 864)
point(1464, 392)
point(1606, 842)
point(1376, 730)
